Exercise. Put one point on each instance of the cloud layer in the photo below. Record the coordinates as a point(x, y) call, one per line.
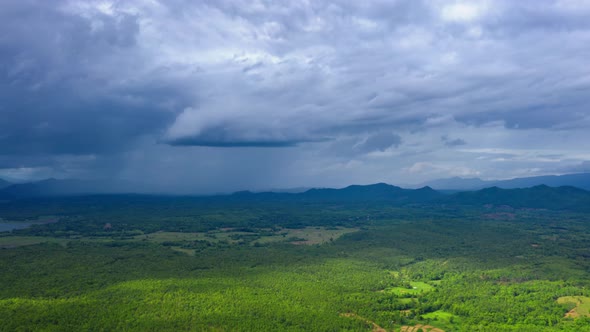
point(261, 94)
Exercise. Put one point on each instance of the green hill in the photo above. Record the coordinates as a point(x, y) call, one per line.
point(538, 197)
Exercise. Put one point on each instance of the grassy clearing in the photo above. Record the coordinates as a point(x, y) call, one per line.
point(217, 236)
point(308, 235)
point(305, 236)
point(582, 306)
point(161, 237)
point(440, 315)
point(417, 287)
point(190, 252)
point(19, 241)
point(407, 300)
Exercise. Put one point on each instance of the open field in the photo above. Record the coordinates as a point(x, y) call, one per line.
point(305, 236)
point(582, 306)
point(440, 315)
point(414, 288)
point(7, 242)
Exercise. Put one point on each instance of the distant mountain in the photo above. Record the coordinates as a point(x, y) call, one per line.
point(379, 191)
point(457, 183)
point(4, 183)
point(54, 187)
point(580, 180)
point(356, 193)
point(538, 197)
point(287, 190)
point(541, 196)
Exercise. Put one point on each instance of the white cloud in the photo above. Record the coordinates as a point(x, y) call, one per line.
point(463, 11)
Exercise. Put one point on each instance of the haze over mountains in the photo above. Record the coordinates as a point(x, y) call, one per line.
point(541, 196)
point(580, 180)
point(353, 193)
point(537, 197)
point(54, 187)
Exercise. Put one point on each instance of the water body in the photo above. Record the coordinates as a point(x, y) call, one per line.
point(8, 226)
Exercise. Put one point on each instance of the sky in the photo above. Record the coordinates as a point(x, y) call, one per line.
point(215, 96)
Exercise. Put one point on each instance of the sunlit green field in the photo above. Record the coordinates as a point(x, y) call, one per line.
point(308, 297)
point(581, 305)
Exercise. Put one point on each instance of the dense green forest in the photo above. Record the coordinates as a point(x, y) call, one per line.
point(144, 263)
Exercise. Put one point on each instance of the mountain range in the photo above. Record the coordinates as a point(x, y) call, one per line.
point(580, 180)
point(539, 196)
point(357, 193)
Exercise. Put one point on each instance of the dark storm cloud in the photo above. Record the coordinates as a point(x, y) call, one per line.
point(224, 137)
point(92, 86)
point(452, 142)
point(380, 142)
point(66, 82)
